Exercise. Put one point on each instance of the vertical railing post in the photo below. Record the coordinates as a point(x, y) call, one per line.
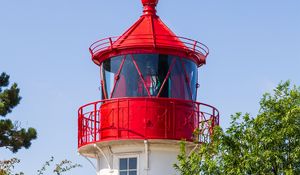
point(146, 120)
point(194, 46)
point(86, 130)
point(199, 120)
point(128, 118)
point(79, 128)
point(95, 121)
point(118, 119)
point(218, 117)
point(174, 119)
point(99, 119)
point(91, 52)
point(213, 122)
point(166, 123)
point(110, 42)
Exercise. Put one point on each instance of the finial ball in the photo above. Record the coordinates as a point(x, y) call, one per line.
point(150, 2)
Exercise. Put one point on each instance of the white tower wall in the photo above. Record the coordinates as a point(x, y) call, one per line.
point(154, 157)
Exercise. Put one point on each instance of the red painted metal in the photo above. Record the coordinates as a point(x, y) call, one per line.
point(149, 43)
point(149, 35)
point(145, 118)
point(149, 2)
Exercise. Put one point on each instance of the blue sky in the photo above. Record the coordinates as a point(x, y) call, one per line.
point(44, 47)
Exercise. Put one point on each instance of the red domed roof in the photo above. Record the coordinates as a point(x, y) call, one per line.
point(149, 35)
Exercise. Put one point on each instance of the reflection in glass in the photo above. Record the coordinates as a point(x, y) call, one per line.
point(132, 163)
point(132, 173)
point(109, 71)
point(128, 166)
point(144, 75)
point(123, 172)
point(151, 68)
point(130, 84)
point(192, 74)
point(177, 82)
point(123, 164)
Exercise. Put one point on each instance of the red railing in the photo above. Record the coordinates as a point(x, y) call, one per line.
point(146, 40)
point(146, 118)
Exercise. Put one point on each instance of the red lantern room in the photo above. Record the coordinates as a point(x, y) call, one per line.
point(149, 82)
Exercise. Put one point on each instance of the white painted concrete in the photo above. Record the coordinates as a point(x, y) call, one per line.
point(157, 160)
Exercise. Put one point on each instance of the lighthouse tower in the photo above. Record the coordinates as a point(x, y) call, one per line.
point(149, 83)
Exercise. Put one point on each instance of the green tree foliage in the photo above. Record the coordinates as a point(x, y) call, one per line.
point(59, 168)
point(202, 158)
point(12, 136)
point(266, 144)
point(7, 167)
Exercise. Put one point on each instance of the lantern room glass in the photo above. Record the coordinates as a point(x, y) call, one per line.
point(149, 75)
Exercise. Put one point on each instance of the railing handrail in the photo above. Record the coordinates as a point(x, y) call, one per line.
point(154, 98)
point(112, 42)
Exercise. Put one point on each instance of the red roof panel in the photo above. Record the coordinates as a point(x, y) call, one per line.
point(149, 35)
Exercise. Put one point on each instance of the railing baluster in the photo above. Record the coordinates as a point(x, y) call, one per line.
point(166, 41)
point(95, 120)
point(205, 118)
point(194, 47)
point(111, 43)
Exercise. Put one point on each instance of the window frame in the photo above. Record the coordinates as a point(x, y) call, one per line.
point(128, 157)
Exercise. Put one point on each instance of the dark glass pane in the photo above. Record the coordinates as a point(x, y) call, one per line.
point(123, 164)
point(164, 65)
point(192, 73)
point(110, 68)
point(177, 81)
point(154, 69)
point(132, 173)
point(132, 163)
point(149, 65)
point(130, 83)
point(123, 172)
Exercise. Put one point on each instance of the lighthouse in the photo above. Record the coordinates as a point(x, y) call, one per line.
point(149, 85)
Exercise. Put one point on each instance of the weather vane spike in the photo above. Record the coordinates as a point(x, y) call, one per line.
point(150, 2)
